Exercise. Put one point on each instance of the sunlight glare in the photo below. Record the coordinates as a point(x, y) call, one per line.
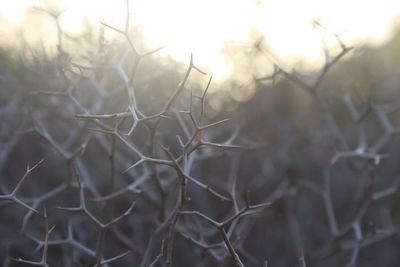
point(205, 27)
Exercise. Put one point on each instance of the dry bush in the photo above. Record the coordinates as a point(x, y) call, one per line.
point(115, 162)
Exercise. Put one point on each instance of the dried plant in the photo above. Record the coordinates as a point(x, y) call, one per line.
point(130, 176)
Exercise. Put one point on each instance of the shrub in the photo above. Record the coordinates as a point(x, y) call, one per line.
point(104, 164)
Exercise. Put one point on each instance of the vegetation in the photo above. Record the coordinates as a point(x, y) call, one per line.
point(115, 160)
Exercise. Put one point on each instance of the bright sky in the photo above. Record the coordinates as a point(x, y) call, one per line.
point(205, 26)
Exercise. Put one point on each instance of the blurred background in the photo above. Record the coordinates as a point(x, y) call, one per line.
point(214, 32)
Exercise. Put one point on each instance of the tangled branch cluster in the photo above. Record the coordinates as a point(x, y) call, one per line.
point(125, 178)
